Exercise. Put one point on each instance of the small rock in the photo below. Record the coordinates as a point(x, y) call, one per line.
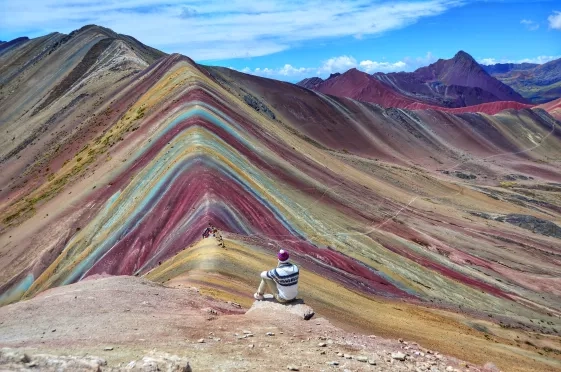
point(322, 352)
point(322, 344)
point(201, 341)
point(362, 359)
point(108, 348)
point(372, 336)
point(293, 368)
point(347, 356)
point(401, 340)
point(247, 332)
point(270, 334)
point(372, 362)
point(398, 356)
point(340, 355)
point(333, 363)
point(449, 369)
point(251, 346)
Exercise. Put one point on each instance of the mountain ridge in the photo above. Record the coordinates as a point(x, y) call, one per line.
point(539, 83)
point(453, 83)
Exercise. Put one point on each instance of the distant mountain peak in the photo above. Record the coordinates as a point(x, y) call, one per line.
point(310, 83)
point(466, 59)
point(463, 55)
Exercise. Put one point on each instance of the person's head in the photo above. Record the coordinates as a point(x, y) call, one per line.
point(282, 256)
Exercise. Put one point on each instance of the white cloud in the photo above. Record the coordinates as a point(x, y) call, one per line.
point(288, 70)
point(337, 64)
point(221, 29)
point(420, 61)
point(539, 60)
point(489, 61)
point(530, 25)
point(373, 66)
point(340, 64)
point(555, 20)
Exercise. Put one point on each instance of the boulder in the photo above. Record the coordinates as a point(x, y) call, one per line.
point(268, 307)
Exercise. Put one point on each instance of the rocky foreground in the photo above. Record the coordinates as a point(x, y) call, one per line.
point(132, 324)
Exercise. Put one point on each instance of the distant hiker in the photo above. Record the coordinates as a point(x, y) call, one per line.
point(282, 280)
point(219, 239)
point(206, 233)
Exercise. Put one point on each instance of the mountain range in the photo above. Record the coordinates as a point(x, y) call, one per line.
point(536, 83)
point(407, 221)
point(456, 83)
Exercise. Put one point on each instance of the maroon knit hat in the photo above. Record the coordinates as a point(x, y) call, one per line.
point(282, 255)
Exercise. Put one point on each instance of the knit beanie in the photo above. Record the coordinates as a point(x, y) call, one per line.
point(282, 255)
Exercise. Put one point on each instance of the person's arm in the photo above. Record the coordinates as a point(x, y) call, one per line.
point(264, 275)
point(271, 274)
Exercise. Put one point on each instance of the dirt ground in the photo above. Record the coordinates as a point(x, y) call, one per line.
point(121, 319)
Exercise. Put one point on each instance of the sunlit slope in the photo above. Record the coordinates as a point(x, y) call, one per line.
point(223, 273)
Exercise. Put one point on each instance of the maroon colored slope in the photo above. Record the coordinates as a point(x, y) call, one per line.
point(359, 85)
point(463, 70)
point(553, 107)
point(435, 92)
point(489, 108)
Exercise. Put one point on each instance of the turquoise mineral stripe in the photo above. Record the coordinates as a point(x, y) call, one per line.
point(15, 292)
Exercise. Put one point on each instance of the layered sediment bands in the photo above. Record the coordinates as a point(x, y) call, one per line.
point(356, 192)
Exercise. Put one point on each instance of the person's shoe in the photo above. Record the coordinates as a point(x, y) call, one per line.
point(258, 296)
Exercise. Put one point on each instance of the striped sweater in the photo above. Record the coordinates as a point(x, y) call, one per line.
point(286, 277)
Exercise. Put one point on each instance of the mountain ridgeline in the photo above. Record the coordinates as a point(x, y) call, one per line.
point(536, 83)
point(459, 83)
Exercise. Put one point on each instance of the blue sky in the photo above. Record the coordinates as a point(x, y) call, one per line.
point(293, 39)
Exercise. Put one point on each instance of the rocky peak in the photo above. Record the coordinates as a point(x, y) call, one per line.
point(463, 56)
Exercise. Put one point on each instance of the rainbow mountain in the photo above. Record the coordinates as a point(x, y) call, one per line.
point(115, 158)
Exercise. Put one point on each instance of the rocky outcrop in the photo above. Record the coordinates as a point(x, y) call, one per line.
point(16, 360)
point(536, 225)
point(269, 306)
point(258, 106)
point(462, 175)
